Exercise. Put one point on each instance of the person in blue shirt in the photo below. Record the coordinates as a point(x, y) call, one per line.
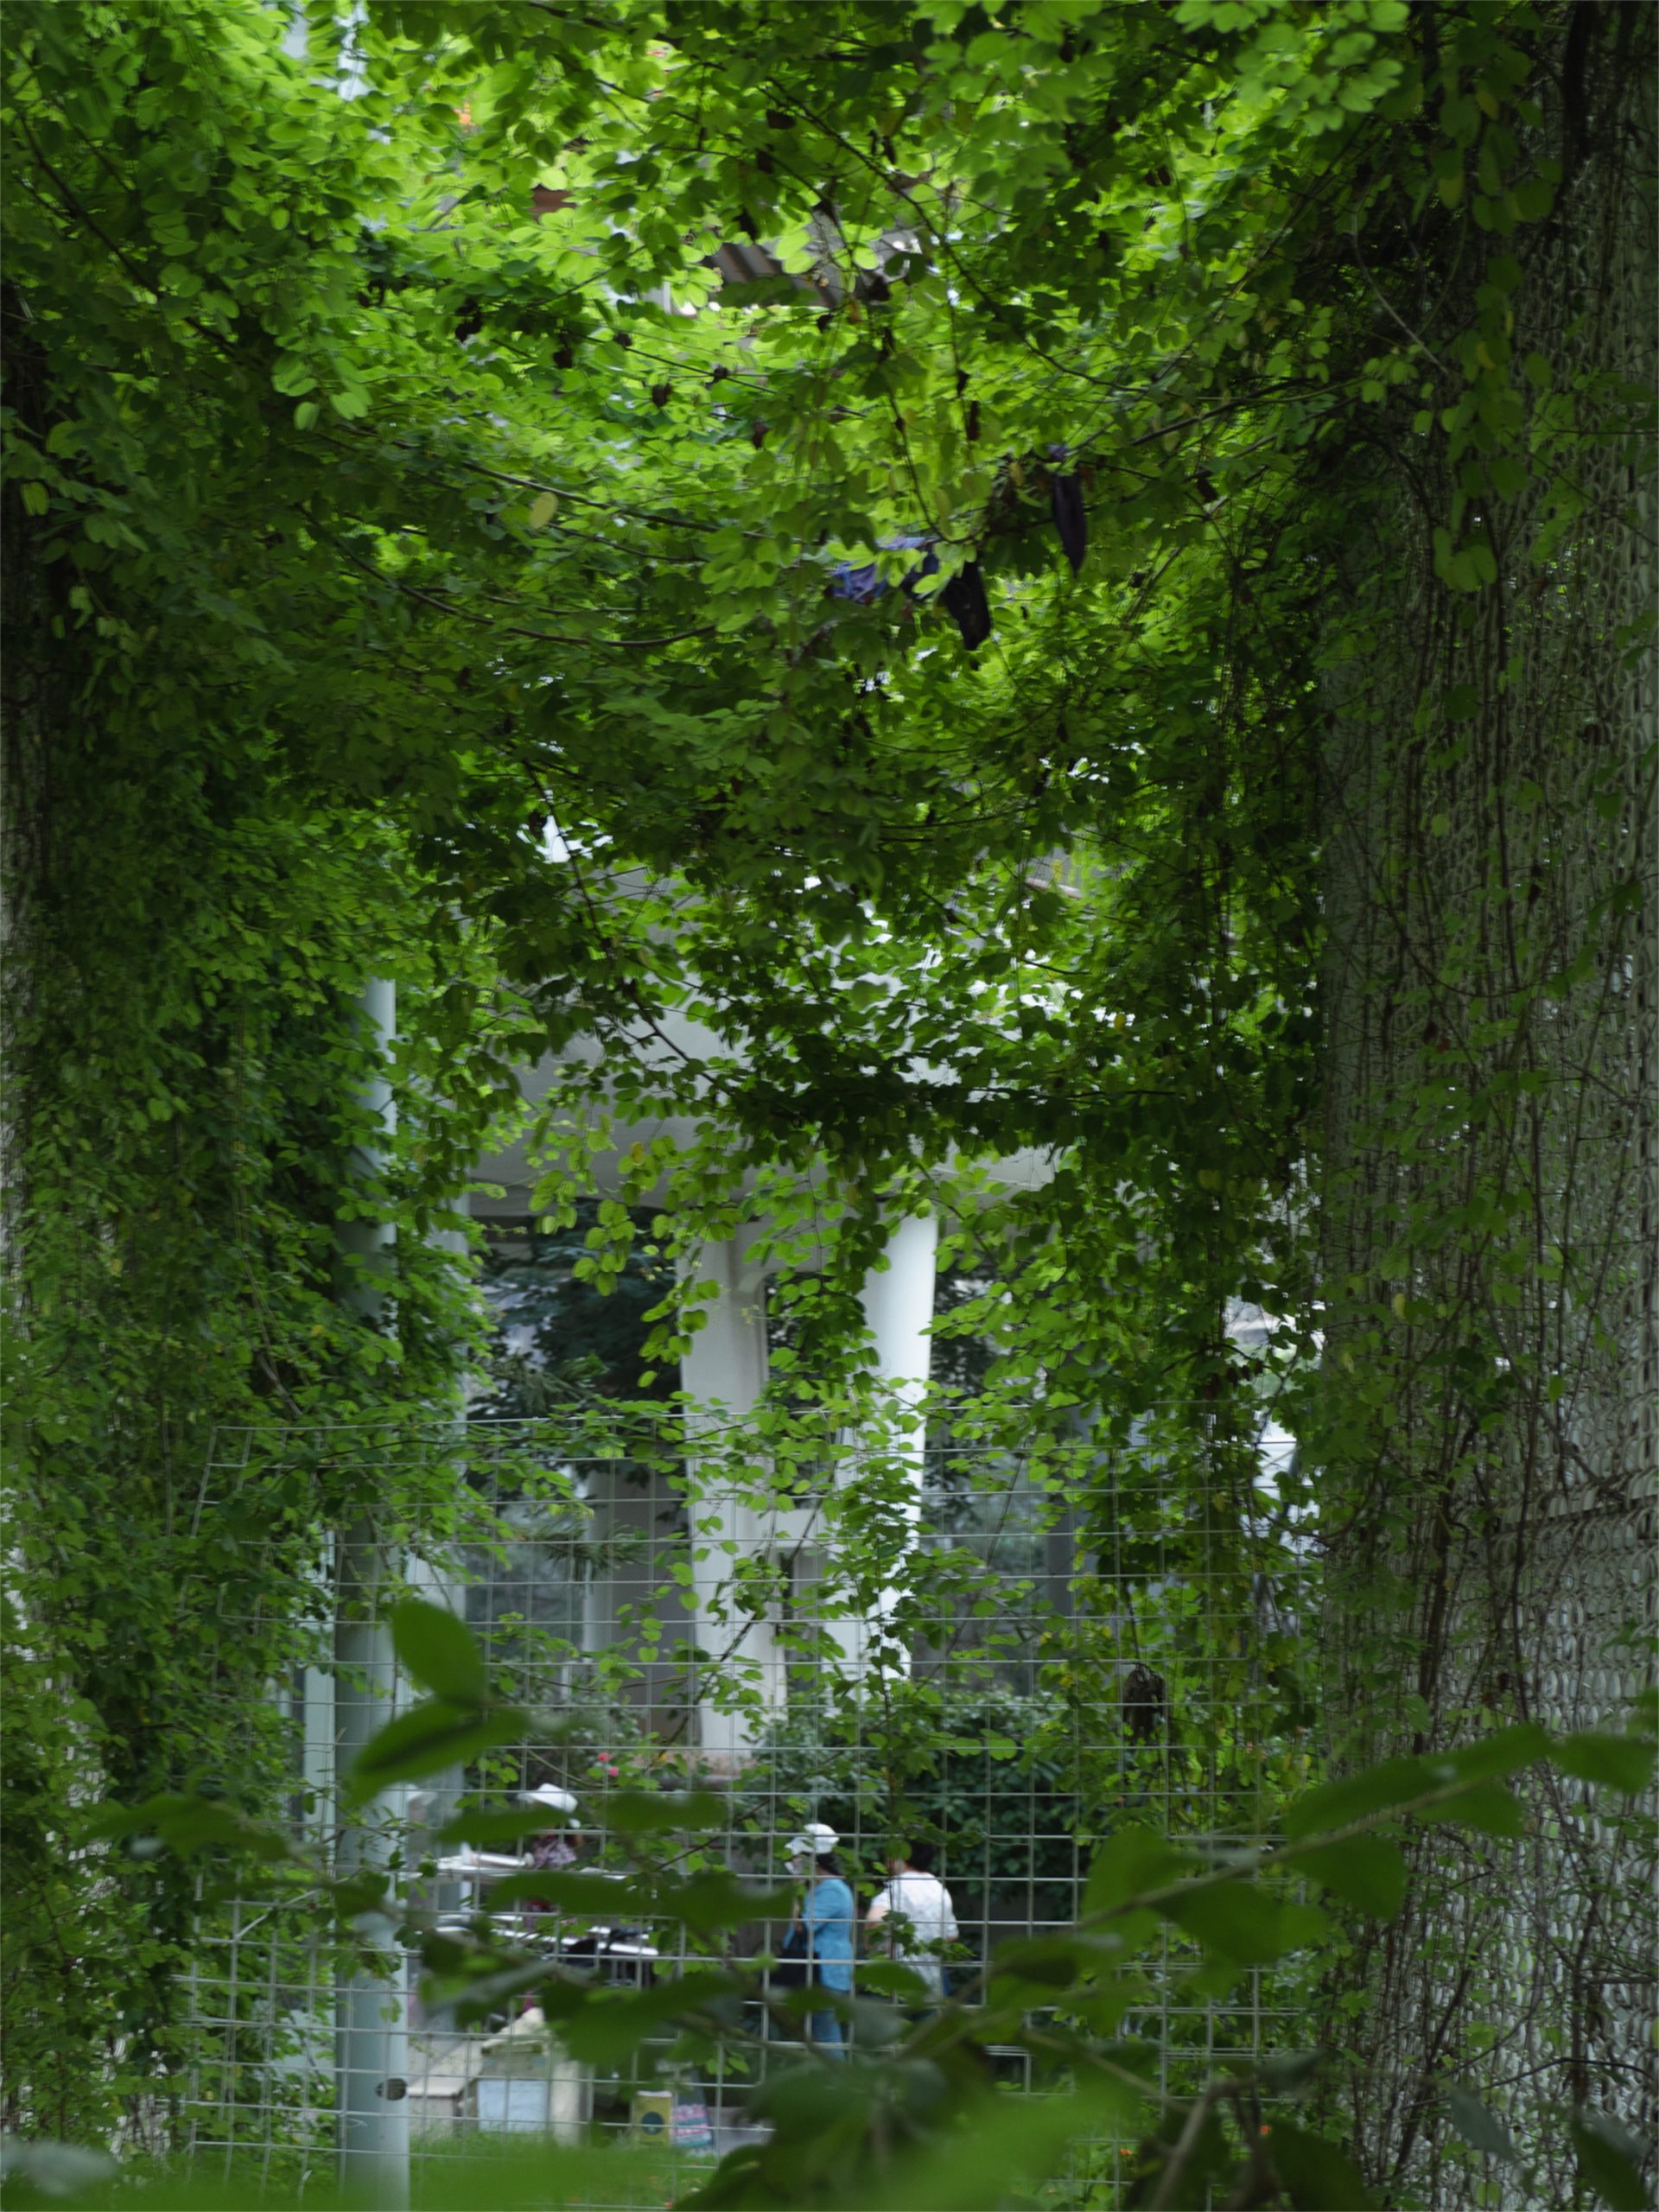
point(826, 1913)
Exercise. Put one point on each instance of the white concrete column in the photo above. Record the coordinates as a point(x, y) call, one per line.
point(897, 1299)
point(724, 1369)
point(898, 1302)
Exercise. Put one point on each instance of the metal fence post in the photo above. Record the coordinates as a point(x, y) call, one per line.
point(372, 2003)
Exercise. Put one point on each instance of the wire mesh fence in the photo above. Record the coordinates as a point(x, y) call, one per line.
point(986, 1659)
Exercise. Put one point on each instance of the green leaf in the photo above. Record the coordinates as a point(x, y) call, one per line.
point(488, 1828)
point(1130, 1861)
point(609, 2026)
point(1049, 1960)
point(1506, 1751)
point(428, 1739)
point(1282, 2073)
point(1487, 1806)
point(440, 1652)
point(364, 1893)
point(1367, 1870)
point(185, 1824)
point(640, 1812)
point(887, 1977)
point(1057, 1959)
point(1014, 2142)
point(1336, 1804)
point(1397, 1782)
point(1235, 1920)
point(594, 1897)
point(1481, 2129)
point(1611, 2160)
point(707, 1901)
point(1621, 1762)
point(291, 377)
point(1316, 2175)
point(476, 1997)
point(712, 1899)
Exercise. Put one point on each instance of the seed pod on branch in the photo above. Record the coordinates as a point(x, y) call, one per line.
point(1145, 1713)
point(963, 599)
point(1070, 519)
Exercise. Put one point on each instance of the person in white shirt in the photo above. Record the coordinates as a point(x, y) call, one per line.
point(912, 1915)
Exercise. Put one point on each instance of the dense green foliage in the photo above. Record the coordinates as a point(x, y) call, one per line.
point(885, 2128)
point(407, 577)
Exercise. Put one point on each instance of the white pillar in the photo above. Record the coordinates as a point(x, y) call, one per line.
point(898, 1302)
point(897, 1299)
point(724, 1369)
point(371, 2007)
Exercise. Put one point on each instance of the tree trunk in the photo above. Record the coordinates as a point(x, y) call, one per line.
point(1491, 1228)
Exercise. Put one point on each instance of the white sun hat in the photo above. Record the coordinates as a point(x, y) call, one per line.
point(550, 1794)
point(815, 1839)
